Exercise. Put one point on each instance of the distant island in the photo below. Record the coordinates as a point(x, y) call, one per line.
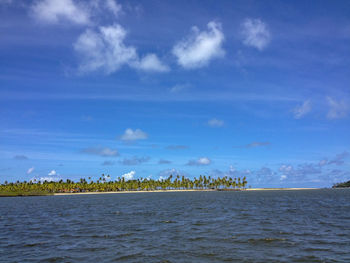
point(105, 184)
point(342, 185)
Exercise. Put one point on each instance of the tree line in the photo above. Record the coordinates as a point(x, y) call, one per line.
point(105, 184)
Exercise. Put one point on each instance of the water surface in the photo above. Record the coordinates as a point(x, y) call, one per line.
point(250, 226)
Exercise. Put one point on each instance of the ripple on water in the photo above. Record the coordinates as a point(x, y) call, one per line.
point(294, 226)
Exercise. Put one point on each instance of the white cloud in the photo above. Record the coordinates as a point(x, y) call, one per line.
point(255, 33)
point(129, 175)
point(113, 6)
point(337, 109)
point(150, 63)
point(199, 161)
point(54, 11)
point(105, 50)
point(216, 123)
point(301, 110)
point(179, 87)
point(46, 178)
point(30, 170)
point(133, 135)
point(104, 152)
point(52, 173)
point(200, 47)
point(283, 177)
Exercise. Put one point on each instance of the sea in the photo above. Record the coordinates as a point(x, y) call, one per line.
point(242, 226)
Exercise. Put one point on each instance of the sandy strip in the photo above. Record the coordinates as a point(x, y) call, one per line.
point(189, 190)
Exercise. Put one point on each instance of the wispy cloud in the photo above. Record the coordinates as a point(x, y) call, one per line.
point(257, 144)
point(179, 87)
point(101, 151)
point(56, 11)
point(199, 162)
point(339, 159)
point(200, 47)
point(20, 157)
point(135, 160)
point(30, 170)
point(301, 110)
point(253, 145)
point(133, 135)
point(107, 163)
point(337, 109)
point(113, 6)
point(163, 161)
point(216, 123)
point(255, 33)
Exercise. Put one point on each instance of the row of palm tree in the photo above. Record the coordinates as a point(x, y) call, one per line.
point(105, 184)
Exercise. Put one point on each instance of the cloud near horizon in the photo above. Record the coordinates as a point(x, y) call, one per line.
point(199, 162)
point(129, 176)
point(200, 47)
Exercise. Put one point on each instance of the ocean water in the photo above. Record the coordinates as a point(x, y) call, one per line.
point(247, 226)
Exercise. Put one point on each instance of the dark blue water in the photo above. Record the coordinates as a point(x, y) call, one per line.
point(259, 226)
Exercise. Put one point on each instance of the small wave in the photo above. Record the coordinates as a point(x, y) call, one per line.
point(266, 240)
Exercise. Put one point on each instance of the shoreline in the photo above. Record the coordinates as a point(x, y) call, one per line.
point(187, 190)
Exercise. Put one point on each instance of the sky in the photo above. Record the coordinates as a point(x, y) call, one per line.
point(145, 89)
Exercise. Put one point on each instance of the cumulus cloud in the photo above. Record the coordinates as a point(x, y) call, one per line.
point(133, 135)
point(199, 162)
point(337, 109)
point(30, 170)
point(255, 33)
point(20, 157)
point(52, 173)
point(135, 160)
point(129, 175)
point(55, 11)
point(113, 6)
point(105, 50)
point(101, 151)
point(176, 147)
point(215, 123)
point(301, 110)
point(200, 47)
point(150, 63)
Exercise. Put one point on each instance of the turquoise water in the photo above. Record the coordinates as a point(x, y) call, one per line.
point(251, 226)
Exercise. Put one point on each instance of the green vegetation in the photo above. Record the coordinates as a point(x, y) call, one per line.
point(342, 185)
point(104, 184)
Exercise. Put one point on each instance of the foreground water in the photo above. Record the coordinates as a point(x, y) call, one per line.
point(250, 226)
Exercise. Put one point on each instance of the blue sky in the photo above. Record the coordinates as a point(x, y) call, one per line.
point(148, 88)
